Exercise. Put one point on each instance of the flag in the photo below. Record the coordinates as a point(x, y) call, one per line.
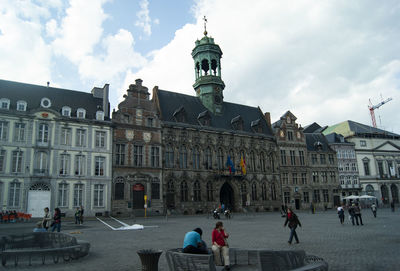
point(243, 165)
point(230, 165)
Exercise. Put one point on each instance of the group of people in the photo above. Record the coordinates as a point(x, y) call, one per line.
point(354, 213)
point(79, 215)
point(48, 221)
point(7, 214)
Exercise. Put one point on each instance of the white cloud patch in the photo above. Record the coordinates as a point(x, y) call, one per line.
point(143, 18)
point(321, 60)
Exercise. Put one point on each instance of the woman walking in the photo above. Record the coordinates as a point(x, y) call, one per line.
point(340, 212)
point(293, 221)
point(46, 218)
point(56, 220)
point(220, 245)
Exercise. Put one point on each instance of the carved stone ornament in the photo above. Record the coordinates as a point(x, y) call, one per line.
point(129, 134)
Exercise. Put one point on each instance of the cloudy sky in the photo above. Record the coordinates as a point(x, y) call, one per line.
point(322, 60)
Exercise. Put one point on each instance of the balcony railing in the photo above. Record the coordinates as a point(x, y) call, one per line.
point(40, 172)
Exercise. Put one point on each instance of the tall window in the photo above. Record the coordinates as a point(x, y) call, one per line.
point(182, 157)
point(19, 135)
point(98, 196)
point(14, 194)
point(80, 138)
point(262, 162)
point(80, 163)
point(353, 167)
point(208, 159)
point(301, 156)
point(331, 159)
point(169, 157)
point(64, 164)
point(366, 168)
point(303, 178)
point(99, 166)
point(283, 157)
point(3, 130)
point(155, 156)
point(220, 159)
point(325, 193)
point(294, 176)
point(100, 139)
point(286, 197)
point(63, 195)
point(138, 155)
point(317, 197)
point(322, 159)
point(315, 177)
point(252, 161)
point(306, 197)
point(41, 162)
point(120, 154)
point(119, 191)
point(65, 136)
point(292, 158)
point(78, 194)
point(314, 159)
point(254, 191)
point(210, 191)
point(2, 160)
point(196, 191)
point(290, 135)
point(380, 168)
point(184, 191)
point(273, 191)
point(43, 133)
point(243, 190)
point(196, 158)
point(285, 178)
point(155, 189)
point(264, 191)
point(341, 179)
point(17, 160)
point(333, 177)
point(324, 176)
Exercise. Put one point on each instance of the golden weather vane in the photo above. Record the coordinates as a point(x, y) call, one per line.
point(205, 25)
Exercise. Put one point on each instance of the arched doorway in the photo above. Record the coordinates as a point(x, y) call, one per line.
point(385, 194)
point(39, 197)
point(138, 196)
point(395, 193)
point(226, 196)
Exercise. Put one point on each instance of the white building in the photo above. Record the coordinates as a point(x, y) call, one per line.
point(55, 149)
point(378, 158)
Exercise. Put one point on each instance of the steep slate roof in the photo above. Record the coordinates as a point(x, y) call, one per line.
point(33, 94)
point(336, 138)
point(312, 140)
point(312, 128)
point(170, 101)
point(352, 128)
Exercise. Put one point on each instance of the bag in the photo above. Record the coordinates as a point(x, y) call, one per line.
point(52, 224)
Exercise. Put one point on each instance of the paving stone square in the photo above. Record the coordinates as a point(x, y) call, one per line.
point(373, 246)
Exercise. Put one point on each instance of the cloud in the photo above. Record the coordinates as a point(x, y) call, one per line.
point(144, 20)
point(321, 60)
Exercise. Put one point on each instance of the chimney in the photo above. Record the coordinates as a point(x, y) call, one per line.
point(268, 118)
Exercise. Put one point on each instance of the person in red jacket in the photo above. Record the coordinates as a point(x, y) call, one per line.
point(220, 245)
point(293, 221)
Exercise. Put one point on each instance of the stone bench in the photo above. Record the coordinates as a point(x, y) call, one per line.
point(42, 245)
point(247, 259)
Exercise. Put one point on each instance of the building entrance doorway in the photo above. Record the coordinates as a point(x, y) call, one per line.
point(39, 197)
point(226, 196)
point(297, 203)
point(138, 196)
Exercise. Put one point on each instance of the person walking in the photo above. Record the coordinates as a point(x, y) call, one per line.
point(293, 221)
point(357, 214)
point(220, 245)
point(56, 224)
point(340, 212)
point(81, 215)
point(373, 208)
point(46, 218)
point(192, 242)
point(77, 215)
point(351, 213)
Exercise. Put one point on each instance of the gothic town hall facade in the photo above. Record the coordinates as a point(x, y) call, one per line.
point(211, 151)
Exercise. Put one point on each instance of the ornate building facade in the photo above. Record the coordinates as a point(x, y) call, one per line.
point(137, 154)
point(55, 149)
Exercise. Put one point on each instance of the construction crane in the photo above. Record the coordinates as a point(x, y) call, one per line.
point(372, 107)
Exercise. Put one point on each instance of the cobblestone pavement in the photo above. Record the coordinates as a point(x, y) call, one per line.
point(373, 246)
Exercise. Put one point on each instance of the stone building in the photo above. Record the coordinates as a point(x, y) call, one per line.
point(203, 135)
point(378, 158)
point(293, 162)
point(136, 154)
point(55, 149)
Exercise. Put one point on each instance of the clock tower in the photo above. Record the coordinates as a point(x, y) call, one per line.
point(207, 64)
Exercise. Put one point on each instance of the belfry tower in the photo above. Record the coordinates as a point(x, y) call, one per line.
point(207, 63)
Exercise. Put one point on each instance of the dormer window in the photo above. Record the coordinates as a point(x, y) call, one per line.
point(66, 111)
point(318, 146)
point(21, 106)
point(5, 103)
point(237, 123)
point(45, 102)
point(256, 126)
point(99, 115)
point(204, 118)
point(81, 113)
point(180, 114)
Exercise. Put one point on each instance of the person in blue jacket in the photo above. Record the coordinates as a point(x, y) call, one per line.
point(193, 243)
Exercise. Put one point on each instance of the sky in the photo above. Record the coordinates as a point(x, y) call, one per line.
point(322, 60)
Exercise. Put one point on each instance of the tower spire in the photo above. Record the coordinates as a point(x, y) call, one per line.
point(205, 25)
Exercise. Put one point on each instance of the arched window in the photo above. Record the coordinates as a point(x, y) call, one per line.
point(395, 193)
point(205, 66)
point(214, 67)
point(370, 190)
point(196, 191)
point(254, 191)
point(252, 161)
point(170, 195)
point(385, 194)
point(182, 157)
point(208, 159)
point(210, 191)
point(21, 106)
point(220, 159)
point(81, 113)
point(273, 191)
point(66, 111)
point(196, 158)
point(184, 191)
point(262, 161)
point(243, 190)
point(169, 157)
point(264, 191)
